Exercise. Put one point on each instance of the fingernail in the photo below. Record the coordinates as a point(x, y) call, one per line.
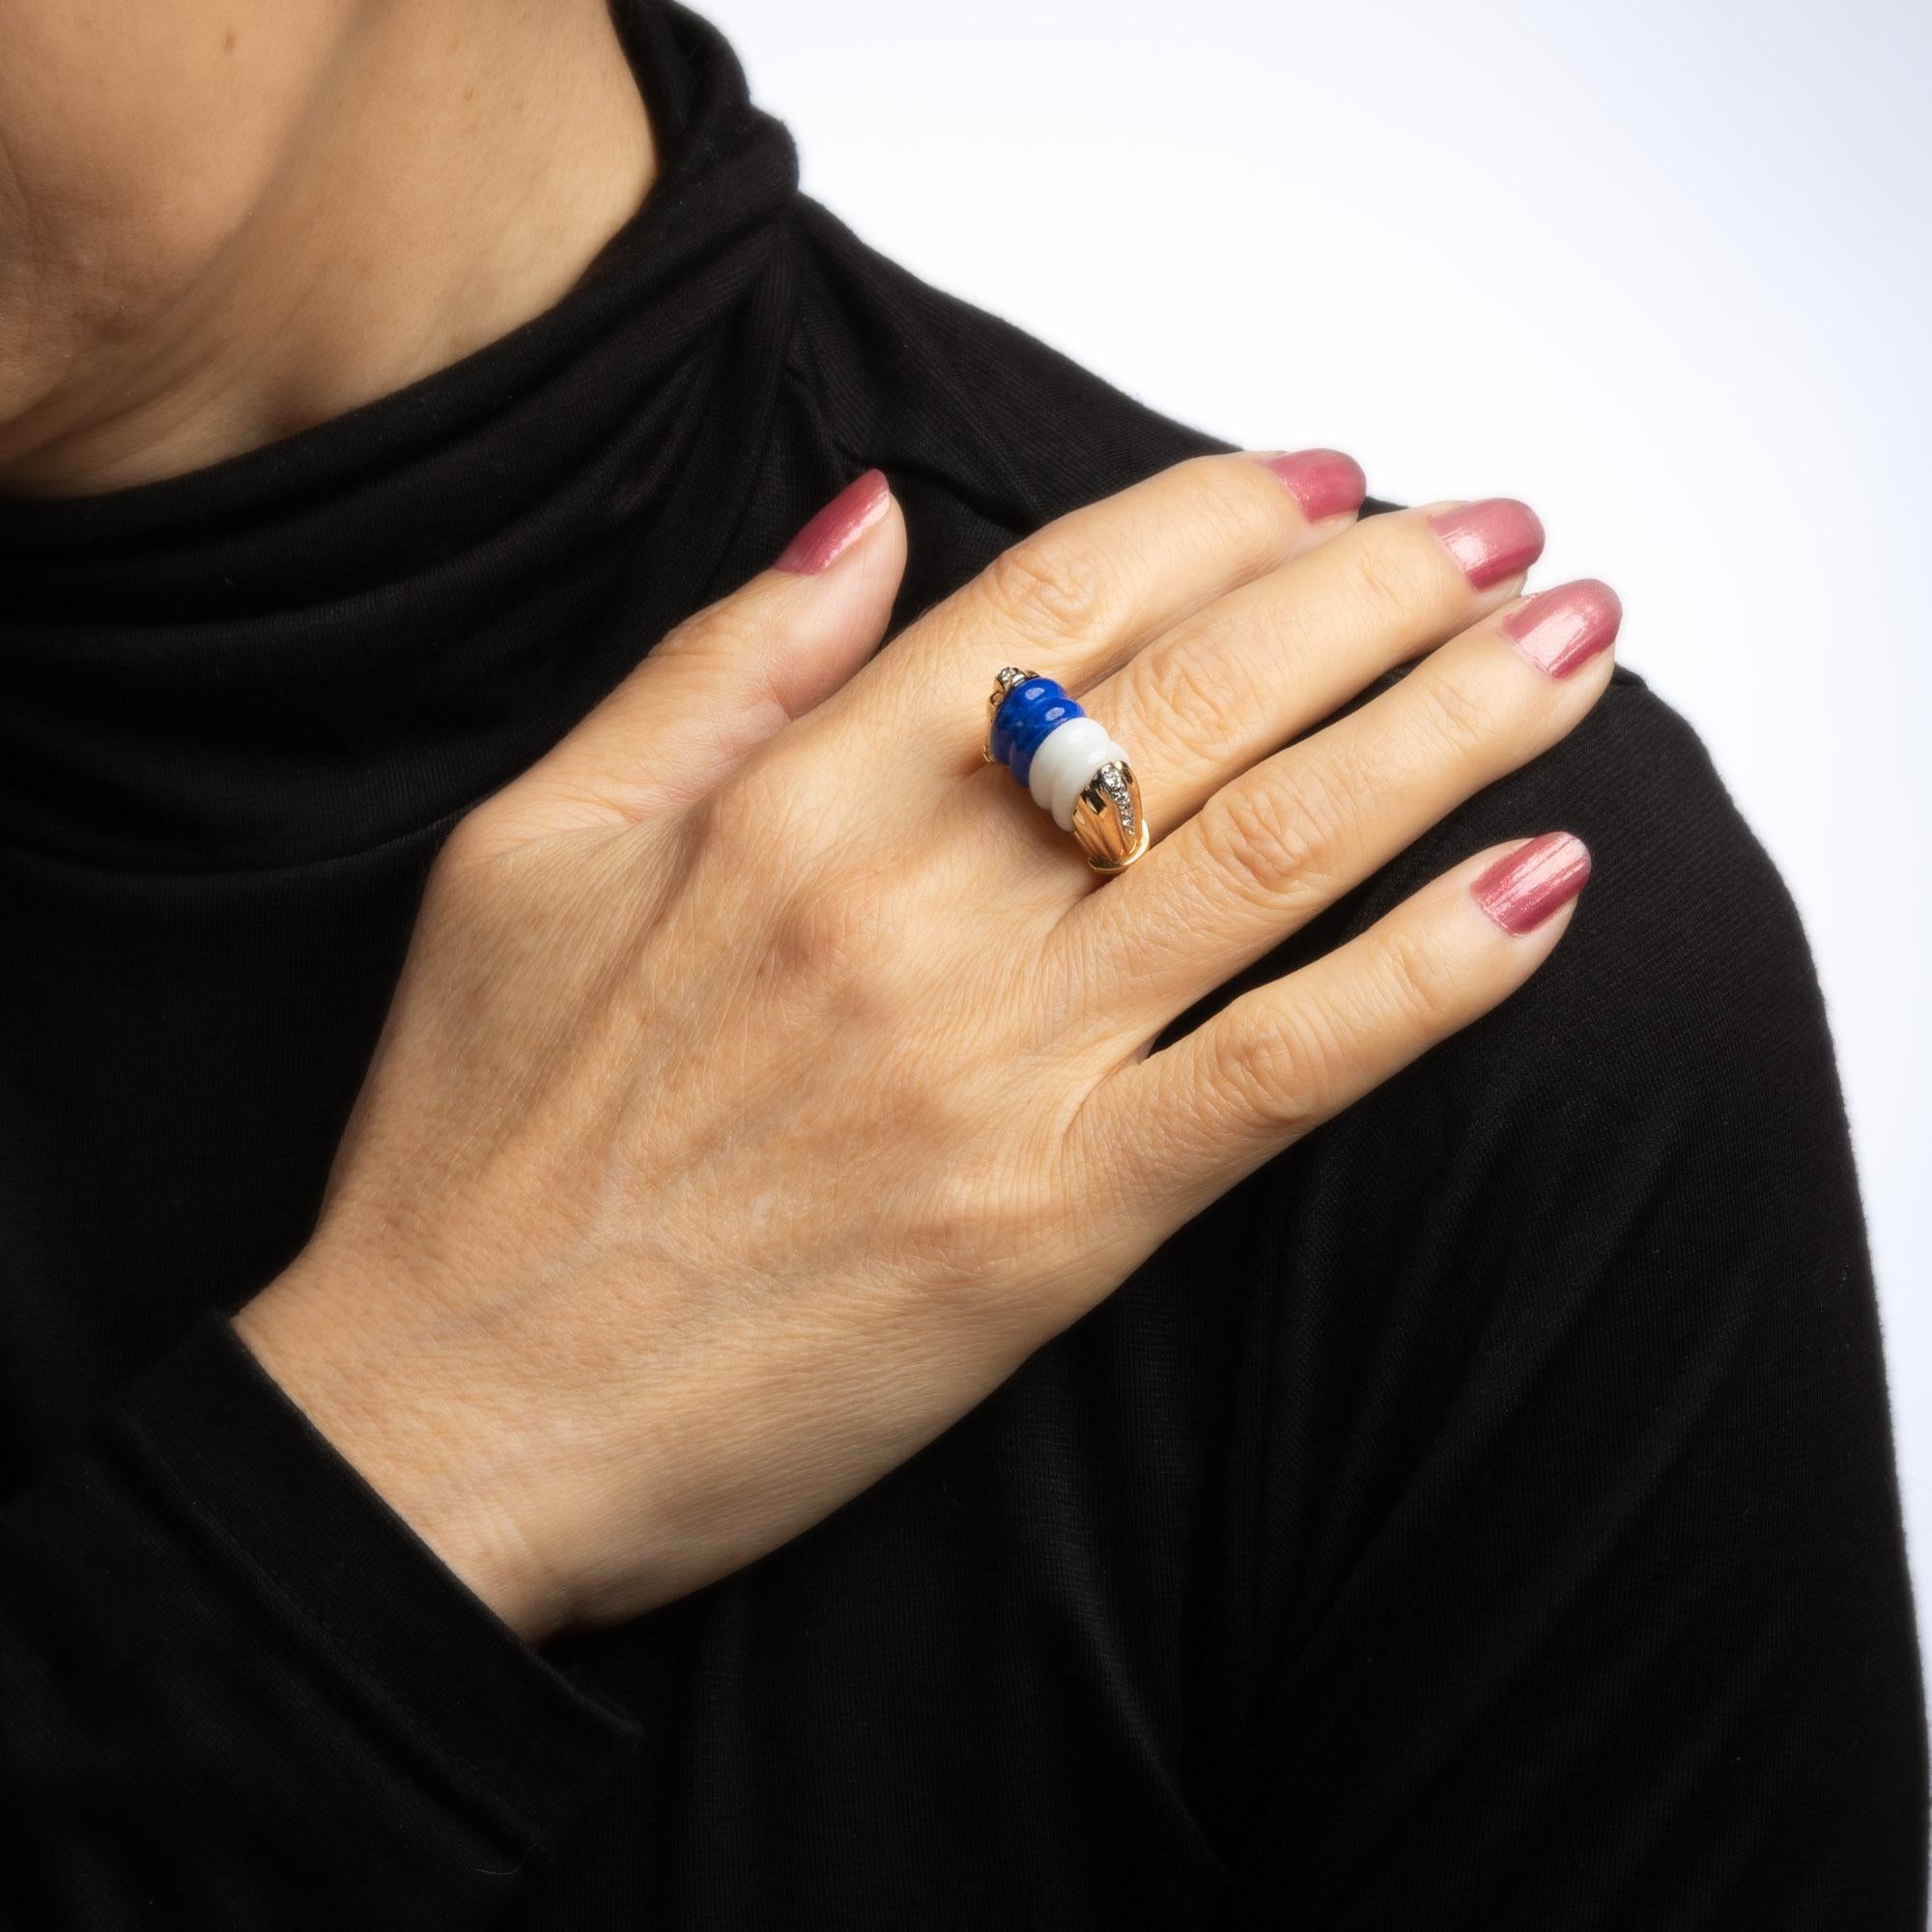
point(1559, 630)
point(837, 527)
point(1522, 890)
point(1324, 482)
point(1490, 539)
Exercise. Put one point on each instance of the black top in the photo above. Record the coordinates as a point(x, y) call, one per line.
point(1483, 1516)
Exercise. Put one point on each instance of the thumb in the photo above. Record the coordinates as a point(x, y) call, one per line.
point(726, 678)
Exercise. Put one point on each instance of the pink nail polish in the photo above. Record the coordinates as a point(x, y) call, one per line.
point(1560, 630)
point(837, 527)
point(1324, 482)
point(1523, 888)
point(1490, 539)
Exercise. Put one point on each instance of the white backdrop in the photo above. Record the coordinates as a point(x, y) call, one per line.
point(1660, 269)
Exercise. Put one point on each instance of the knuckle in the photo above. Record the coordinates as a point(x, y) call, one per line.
point(1053, 587)
point(1397, 585)
point(1331, 791)
point(1239, 511)
point(465, 866)
point(729, 625)
point(826, 939)
point(471, 840)
point(1190, 680)
point(746, 828)
point(1418, 979)
point(955, 1229)
point(687, 632)
point(1251, 844)
point(1264, 843)
point(1459, 716)
point(738, 616)
point(1277, 1067)
point(837, 953)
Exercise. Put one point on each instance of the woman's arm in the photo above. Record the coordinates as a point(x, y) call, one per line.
point(768, 1078)
point(236, 1689)
point(748, 1112)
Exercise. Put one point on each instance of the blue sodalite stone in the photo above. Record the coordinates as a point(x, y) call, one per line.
point(1021, 724)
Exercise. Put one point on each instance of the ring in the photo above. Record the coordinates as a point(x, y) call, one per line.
point(1069, 764)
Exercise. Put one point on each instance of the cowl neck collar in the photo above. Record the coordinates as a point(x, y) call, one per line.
point(331, 641)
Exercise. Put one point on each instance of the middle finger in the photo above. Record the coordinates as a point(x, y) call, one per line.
point(1242, 677)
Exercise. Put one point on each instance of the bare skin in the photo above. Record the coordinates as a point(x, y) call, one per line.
point(224, 221)
point(731, 1135)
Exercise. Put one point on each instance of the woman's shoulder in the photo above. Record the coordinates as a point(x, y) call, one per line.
point(1011, 431)
point(1685, 970)
point(1685, 945)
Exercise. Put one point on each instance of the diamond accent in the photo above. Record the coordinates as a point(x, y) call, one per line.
point(1111, 778)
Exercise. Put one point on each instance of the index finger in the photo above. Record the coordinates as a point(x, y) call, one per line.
point(1083, 592)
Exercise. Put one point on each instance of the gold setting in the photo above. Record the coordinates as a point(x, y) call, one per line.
point(1002, 682)
point(1101, 820)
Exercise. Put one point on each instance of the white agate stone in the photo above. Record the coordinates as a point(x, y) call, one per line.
point(1077, 746)
point(1073, 781)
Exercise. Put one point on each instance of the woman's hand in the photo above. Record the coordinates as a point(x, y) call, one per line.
point(769, 1077)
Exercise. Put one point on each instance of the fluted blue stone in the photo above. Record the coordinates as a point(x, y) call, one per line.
point(1022, 722)
point(1019, 702)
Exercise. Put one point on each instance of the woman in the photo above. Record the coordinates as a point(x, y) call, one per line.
point(787, 1411)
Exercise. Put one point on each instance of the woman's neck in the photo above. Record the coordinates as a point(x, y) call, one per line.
point(224, 221)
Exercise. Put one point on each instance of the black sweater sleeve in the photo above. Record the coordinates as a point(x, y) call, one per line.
point(236, 1689)
point(1588, 1602)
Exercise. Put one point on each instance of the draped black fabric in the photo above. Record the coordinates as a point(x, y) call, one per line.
point(1483, 1516)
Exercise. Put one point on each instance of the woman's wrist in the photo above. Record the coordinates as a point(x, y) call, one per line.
point(406, 1428)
